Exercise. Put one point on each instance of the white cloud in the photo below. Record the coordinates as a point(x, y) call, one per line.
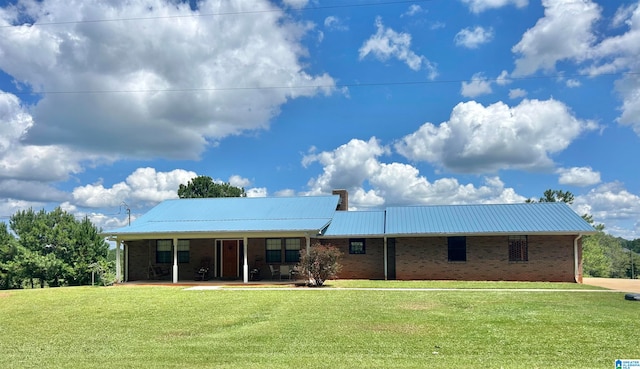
point(479, 139)
point(387, 43)
point(578, 176)
point(473, 38)
point(145, 186)
point(503, 78)
point(187, 65)
point(413, 10)
point(564, 33)
point(614, 206)
point(478, 6)
point(517, 93)
point(573, 83)
point(479, 85)
point(334, 23)
point(356, 166)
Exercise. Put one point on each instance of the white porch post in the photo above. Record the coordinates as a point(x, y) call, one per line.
point(308, 241)
point(118, 271)
point(386, 266)
point(175, 260)
point(126, 262)
point(245, 262)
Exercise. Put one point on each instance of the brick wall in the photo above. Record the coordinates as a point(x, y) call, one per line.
point(550, 259)
point(360, 266)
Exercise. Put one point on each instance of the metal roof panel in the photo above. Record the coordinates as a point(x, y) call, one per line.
point(356, 223)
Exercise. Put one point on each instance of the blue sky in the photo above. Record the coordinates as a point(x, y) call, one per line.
point(399, 102)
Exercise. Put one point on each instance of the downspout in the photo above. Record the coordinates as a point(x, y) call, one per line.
point(576, 262)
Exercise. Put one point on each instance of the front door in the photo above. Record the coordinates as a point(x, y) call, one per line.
point(229, 258)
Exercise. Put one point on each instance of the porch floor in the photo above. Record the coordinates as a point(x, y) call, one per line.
point(213, 282)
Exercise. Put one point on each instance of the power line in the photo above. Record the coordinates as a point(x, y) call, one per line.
point(326, 86)
point(261, 11)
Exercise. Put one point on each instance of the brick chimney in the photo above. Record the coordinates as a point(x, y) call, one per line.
point(343, 204)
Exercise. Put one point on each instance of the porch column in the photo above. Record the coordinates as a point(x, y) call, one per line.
point(175, 260)
point(118, 271)
point(386, 267)
point(308, 241)
point(245, 262)
point(126, 262)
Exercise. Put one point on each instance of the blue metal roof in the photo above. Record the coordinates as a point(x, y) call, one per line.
point(317, 213)
point(356, 223)
point(236, 214)
point(550, 218)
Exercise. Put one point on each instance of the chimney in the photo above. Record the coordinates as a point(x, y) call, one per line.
point(343, 204)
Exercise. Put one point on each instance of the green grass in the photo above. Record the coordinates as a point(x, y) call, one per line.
point(167, 327)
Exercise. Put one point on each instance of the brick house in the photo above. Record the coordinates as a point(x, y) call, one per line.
point(260, 238)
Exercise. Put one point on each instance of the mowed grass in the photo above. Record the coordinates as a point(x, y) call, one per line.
point(168, 327)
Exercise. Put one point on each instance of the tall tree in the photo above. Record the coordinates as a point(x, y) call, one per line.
point(58, 249)
point(555, 196)
point(204, 186)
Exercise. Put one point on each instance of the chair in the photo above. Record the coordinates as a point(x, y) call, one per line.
point(275, 272)
point(157, 272)
point(202, 272)
point(285, 271)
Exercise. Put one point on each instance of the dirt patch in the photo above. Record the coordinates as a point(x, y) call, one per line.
point(4, 294)
point(624, 285)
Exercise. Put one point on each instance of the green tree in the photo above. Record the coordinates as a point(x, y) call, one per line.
point(555, 196)
point(204, 186)
point(604, 256)
point(10, 252)
point(58, 249)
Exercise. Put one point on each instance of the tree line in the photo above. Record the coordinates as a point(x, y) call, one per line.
point(603, 255)
point(52, 249)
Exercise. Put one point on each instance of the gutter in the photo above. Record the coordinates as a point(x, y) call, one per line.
point(575, 258)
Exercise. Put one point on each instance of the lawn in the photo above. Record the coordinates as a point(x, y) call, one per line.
point(168, 327)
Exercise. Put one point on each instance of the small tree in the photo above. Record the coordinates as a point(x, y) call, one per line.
point(320, 263)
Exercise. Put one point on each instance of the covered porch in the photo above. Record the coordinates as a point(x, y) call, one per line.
point(189, 258)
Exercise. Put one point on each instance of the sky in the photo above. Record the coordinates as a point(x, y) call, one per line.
point(109, 105)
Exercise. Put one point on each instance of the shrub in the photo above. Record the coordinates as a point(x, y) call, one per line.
point(320, 263)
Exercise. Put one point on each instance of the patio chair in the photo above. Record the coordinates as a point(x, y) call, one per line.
point(275, 272)
point(157, 272)
point(285, 271)
point(202, 272)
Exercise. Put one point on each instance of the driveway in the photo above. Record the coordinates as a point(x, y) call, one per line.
point(624, 285)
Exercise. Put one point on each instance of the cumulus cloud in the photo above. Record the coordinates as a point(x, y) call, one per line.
point(564, 33)
point(479, 139)
point(173, 77)
point(614, 206)
point(478, 6)
point(356, 166)
point(143, 187)
point(473, 38)
point(578, 176)
point(479, 85)
point(387, 43)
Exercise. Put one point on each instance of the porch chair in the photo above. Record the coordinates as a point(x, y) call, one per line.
point(285, 271)
point(157, 272)
point(202, 272)
point(275, 272)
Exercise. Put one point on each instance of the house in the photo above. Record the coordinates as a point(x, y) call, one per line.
point(247, 238)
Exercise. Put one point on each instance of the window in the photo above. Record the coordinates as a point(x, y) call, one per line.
point(457, 248)
point(518, 248)
point(163, 252)
point(274, 247)
point(183, 251)
point(292, 250)
point(356, 246)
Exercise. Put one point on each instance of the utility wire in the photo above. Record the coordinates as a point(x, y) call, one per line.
point(326, 86)
point(196, 15)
